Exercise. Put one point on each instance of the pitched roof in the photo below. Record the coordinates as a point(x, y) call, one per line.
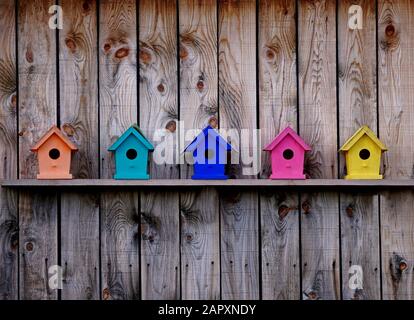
point(281, 136)
point(201, 137)
point(136, 132)
point(358, 135)
point(54, 130)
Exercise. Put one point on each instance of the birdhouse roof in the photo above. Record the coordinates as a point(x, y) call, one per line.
point(137, 133)
point(358, 135)
point(54, 130)
point(202, 136)
point(281, 136)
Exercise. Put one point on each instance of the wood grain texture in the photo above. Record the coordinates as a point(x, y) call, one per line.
point(395, 43)
point(317, 114)
point(79, 121)
point(158, 120)
point(80, 246)
point(357, 107)
point(237, 110)
point(120, 245)
point(8, 153)
point(118, 111)
point(277, 103)
point(37, 113)
point(199, 211)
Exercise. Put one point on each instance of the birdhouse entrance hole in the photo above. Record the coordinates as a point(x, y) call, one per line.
point(131, 154)
point(288, 154)
point(54, 154)
point(364, 154)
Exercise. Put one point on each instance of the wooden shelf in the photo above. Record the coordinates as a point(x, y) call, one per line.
point(311, 184)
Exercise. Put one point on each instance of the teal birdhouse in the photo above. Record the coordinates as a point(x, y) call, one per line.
point(131, 155)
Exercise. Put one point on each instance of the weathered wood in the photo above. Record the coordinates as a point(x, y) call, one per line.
point(396, 116)
point(8, 153)
point(199, 211)
point(317, 114)
point(120, 246)
point(237, 110)
point(357, 107)
point(277, 102)
point(37, 113)
point(158, 119)
point(80, 246)
point(79, 121)
point(118, 111)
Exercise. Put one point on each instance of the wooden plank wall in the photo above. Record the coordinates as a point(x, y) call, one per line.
point(182, 64)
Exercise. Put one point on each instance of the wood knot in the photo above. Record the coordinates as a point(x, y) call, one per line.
point(213, 122)
point(183, 53)
point(86, 6)
point(144, 56)
point(306, 207)
point(312, 295)
point(68, 129)
point(270, 55)
point(29, 55)
point(14, 100)
point(402, 265)
point(171, 126)
point(161, 88)
point(200, 85)
point(106, 294)
point(390, 30)
point(70, 44)
point(122, 53)
point(283, 211)
point(391, 39)
point(349, 211)
point(29, 246)
point(107, 46)
point(189, 237)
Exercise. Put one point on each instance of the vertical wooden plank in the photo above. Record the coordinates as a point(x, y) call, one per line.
point(118, 111)
point(79, 120)
point(277, 103)
point(37, 113)
point(237, 110)
point(357, 106)
point(158, 116)
point(396, 116)
point(8, 152)
point(199, 211)
point(317, 114)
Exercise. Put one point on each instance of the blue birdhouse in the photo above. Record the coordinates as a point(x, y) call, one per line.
point(209, 150)
point(131, 155)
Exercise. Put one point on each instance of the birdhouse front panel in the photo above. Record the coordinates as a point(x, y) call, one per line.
point(209, 159)
point(54, 159)
point(288, 160)
point(131, 159)
point(363, 160)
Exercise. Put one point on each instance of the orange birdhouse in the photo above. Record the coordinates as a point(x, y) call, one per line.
point(54, 153)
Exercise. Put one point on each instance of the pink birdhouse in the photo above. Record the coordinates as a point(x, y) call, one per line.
point(288, 155)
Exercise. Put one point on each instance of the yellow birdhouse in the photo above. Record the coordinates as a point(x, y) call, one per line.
point(363, 155)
